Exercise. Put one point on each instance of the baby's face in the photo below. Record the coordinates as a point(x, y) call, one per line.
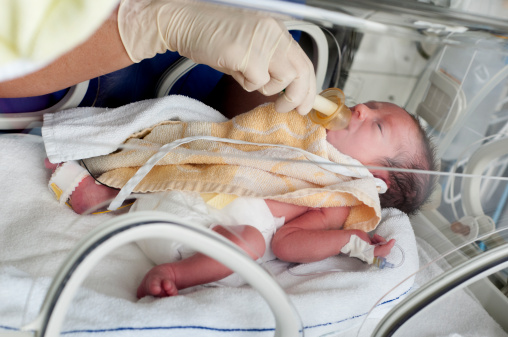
point(376, 130)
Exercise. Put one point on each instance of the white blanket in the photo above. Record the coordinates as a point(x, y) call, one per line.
point(90, 132)
point(36, 233)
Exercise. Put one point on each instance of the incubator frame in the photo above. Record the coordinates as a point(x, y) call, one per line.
point(127, 228)
point(144, 225)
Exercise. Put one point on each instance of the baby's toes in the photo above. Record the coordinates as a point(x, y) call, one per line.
point(154, 288)
point(169, 288)
point(141, 292)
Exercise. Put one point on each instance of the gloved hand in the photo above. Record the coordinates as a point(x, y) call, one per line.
point(256, 49)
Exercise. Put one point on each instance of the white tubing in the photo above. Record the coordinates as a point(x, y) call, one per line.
point(478, 98)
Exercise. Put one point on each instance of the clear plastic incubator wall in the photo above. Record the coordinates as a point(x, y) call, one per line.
point(445, 62)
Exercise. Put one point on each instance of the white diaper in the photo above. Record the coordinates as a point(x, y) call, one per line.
point(191, 207)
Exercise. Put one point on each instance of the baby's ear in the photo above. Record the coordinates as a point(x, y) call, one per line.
point(383, 175)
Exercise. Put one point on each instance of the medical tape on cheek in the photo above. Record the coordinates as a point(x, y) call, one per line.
point(359, 248)
point(65, 179)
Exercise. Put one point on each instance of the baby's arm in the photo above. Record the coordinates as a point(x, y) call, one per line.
point(312, 236)
point(318, 234)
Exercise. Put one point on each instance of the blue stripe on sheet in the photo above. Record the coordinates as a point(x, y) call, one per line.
point(176, 327)
point(357, 316)
point(197, 327)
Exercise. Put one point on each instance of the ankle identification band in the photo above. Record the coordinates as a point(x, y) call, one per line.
point(65, 179)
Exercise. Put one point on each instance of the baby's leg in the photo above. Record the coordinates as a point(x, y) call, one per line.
point(87, 194)
point(166, 279)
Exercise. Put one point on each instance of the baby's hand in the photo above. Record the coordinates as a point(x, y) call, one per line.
point(383, 248)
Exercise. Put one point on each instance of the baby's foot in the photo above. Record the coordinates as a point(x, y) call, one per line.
point(50, 165)
point(87, 194)
point(158, 282)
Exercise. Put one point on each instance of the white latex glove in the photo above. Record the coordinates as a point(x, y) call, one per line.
point(256, 49)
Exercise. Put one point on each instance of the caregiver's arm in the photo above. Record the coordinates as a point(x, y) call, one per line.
point(254, 48)
point(101, 54)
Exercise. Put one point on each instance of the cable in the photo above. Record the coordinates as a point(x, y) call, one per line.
point(338, 68)
point(96, 180)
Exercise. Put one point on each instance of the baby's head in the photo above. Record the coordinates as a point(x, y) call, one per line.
point(384, 134)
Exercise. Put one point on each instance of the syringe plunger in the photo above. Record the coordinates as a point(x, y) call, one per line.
point(330, 110)
point(324, 105)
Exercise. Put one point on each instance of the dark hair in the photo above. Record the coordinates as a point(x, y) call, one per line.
point(409, 191)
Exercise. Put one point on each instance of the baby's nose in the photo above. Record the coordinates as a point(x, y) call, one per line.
point(361, 111)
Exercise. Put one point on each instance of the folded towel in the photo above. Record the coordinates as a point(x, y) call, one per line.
point(88, 132)
point(286, 158)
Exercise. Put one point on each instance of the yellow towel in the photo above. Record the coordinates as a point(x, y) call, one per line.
point(282, 174)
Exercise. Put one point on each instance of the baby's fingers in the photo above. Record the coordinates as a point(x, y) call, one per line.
point(378, 239)
point(384, 250)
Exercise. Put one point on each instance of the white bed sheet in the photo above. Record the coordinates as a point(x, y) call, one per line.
point(456, 314)
point(36, 234)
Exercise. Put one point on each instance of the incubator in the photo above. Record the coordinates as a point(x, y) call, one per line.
point(444, 62)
